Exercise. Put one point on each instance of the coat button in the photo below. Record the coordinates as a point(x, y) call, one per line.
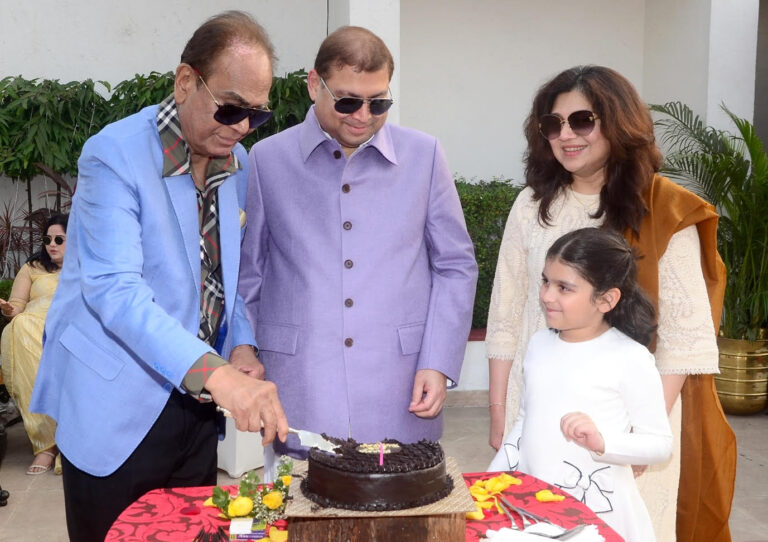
point(348, 342)
point(348, 302)
point(348, 264)
point(345, 188)
point(347, 225)
point(337, 154)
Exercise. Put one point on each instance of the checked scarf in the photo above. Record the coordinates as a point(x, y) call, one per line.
point(176, 161)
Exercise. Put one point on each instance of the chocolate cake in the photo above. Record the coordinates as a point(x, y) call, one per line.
point(351, 477)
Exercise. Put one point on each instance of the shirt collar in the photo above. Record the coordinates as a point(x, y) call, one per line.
point(176, 155)
point(312, 136)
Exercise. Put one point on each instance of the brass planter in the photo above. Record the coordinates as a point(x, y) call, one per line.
point(742, 384)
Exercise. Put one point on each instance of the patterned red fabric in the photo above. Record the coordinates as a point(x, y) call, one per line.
point(169, 515)
point(566, 513)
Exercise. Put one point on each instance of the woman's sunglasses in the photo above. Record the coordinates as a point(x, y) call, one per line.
point(581, 122)
point(58, 239)
point(348, 104)
point(230, 114)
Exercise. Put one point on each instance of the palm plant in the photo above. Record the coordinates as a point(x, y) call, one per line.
point(730, 170)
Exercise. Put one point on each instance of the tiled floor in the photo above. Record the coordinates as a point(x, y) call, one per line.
point(35, 510)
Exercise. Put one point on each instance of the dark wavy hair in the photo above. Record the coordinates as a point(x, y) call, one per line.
point(604, 259)
point(626, 123)
point(42, 258)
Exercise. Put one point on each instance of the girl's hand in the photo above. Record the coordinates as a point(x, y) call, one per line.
point(579, 428)
point(497, 425)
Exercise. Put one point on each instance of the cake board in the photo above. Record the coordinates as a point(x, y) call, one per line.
point(441, 521)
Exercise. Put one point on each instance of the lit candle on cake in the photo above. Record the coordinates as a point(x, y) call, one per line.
point(381, 453)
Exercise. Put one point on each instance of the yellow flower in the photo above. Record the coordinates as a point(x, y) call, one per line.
point(209, 502)
point(276, 535)
point(286, 480)
point(273, 500)
point(477, 513)
point(546, 495)
point(240, 506)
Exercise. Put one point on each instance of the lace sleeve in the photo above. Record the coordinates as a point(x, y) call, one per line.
point(686, 336)
point(510, 285)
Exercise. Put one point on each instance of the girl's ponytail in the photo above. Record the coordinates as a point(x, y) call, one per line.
point(634, 315)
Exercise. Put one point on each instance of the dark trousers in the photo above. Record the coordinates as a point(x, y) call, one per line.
point(178, 451)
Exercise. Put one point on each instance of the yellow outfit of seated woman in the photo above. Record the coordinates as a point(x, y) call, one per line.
point(21, 344)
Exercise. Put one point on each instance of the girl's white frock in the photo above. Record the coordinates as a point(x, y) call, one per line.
point(614, 380)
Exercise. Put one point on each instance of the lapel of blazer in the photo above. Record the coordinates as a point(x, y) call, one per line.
point(181, 190)
point(229, 239)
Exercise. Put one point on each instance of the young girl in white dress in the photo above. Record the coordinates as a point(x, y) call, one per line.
point(592, 403)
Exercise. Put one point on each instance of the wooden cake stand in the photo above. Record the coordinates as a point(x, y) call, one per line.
point(441, 521)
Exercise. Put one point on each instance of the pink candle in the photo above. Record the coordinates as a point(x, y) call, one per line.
point(381, 453)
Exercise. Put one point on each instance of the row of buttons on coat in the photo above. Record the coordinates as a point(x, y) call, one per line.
point(347, 263)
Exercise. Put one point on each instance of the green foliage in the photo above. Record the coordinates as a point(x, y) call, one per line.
point(486, 206)
point(45, 121)
point(730, 170)
point(289, 100)
point(133, 95)
point(5, 293)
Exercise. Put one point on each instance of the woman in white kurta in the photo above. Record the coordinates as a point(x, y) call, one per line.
point(587, 180)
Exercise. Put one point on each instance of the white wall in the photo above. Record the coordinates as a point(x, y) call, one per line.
point(470, 68)
point(112, 40)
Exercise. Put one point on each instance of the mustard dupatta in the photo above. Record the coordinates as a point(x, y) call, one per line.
point(708, 444)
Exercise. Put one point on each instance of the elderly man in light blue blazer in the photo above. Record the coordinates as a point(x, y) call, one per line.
point(147, 314)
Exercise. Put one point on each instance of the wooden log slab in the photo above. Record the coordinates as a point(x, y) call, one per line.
point(436, 528)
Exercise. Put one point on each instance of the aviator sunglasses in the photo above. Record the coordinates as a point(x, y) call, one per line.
point(581, 122)
point(347, 104)
point(230, 114)
point(58, 239)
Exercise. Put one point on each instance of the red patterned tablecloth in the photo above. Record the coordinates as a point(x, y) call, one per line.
point(566, 513)
point(177, 514)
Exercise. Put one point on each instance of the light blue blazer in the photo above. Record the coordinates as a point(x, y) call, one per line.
point(122, 328)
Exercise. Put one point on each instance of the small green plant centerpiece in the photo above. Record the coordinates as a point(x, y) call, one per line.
point(263, 503)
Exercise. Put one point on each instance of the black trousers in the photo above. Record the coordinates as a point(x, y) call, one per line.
point(178, 451)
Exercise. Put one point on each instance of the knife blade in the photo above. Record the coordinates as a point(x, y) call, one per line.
point(307, 438)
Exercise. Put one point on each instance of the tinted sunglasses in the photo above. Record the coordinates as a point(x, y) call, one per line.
point(230, 114)
point(581, 122)
point(58, 239)
point(347, 104)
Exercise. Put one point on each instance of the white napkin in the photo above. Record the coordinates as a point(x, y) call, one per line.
point(531, 534)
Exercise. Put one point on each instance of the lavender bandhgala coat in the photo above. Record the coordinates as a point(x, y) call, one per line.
point(356, 273)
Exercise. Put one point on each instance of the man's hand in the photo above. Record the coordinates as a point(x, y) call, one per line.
point(429, 391)
point(254, 404)
point(244, 359)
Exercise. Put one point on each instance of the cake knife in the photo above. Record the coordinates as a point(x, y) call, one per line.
point(307, 438)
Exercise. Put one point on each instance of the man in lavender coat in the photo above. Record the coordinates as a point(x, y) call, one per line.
point(357, 270)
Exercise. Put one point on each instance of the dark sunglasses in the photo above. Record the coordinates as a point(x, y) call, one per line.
point(581, 122)
point(230, 114)
point(58, 239)
point(347, 104)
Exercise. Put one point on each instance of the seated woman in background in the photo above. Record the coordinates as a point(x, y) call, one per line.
point(22, 339)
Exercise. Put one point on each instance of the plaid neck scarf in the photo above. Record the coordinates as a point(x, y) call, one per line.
point(177, 161)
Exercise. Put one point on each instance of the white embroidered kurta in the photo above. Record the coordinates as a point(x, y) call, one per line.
point(686, 340)
point(613, 380)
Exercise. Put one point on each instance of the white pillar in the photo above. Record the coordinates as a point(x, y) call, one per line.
point(382, 17)
point(732, 61)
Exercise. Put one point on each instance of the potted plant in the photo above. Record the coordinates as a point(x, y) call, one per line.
point(730, 170)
